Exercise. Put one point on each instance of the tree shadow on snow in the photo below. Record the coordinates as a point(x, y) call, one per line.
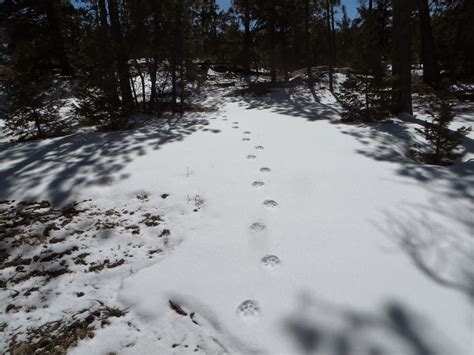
point(67, 164)
point(320, 327)
point(442, 253)
point(387, 142)
point(285, 99)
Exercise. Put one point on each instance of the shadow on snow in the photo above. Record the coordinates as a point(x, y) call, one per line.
point(67, 164)
point(388, 142)
point(319, 327)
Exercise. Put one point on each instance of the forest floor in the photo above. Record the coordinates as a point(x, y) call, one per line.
point(263, 226)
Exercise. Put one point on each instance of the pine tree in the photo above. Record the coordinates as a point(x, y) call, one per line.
point(31, 113)
point(364, 97)
point(441, 138)
point(98, 91)
point(32, 58)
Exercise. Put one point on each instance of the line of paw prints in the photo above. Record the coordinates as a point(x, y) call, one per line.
point(250, 309)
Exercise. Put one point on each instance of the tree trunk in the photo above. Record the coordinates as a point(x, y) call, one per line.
point(463, 37)
point(120, 56)
point(330, 53)
point(142, 80)
point(182, 86)
point(246, 44)
point(37, 123)
point(333, 35)
point(381, 40)
point(401, 62)
point(366, 90)
point(284, 54)
point(54, 23)
point(110, 80)
point(173, 84)
point(272, 46)
point(134, 92)
point(153, 68)
point(428, 51)
point(374, 34)
point(103, 14)
point(307, 19)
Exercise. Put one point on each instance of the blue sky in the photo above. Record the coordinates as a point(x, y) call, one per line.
point(351, 6)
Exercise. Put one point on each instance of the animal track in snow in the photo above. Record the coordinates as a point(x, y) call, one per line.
point(257, 226)
point(259, 147)
point(251, 156)
point(245, 139)
point(258, 183)
point(265, 170)
point(270, 261)
point(249, 309)
point(270, 203)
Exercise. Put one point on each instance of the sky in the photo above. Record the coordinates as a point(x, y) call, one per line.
point(351, 6)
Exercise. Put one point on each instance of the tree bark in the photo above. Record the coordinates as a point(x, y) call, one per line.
point(173, 83)
point(246, 44)
point(330, 42)
point(153, 68)
point(134, 92)
point(54, 23)
point(120, 56)
point(333, 34)
point(142, 80)
point(110, 80)
point(464, 35)
point(401, 61)
point(381, 22)
point(272, 45)
point(103, 14)
point(428, 51)
point(37, 123)
point(284, 54)
point(307, 19)
point(374, 34)
point(182, 86)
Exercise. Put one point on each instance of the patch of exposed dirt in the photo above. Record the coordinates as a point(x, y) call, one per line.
point(68, 258)
point(58, 336)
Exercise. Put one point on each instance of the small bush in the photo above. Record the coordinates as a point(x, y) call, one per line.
point(31, 110)
point(363, 98)
point(94, 108)
point(441, 138)
point(29, 115)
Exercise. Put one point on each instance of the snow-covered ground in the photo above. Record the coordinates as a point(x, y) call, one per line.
point(289, 232)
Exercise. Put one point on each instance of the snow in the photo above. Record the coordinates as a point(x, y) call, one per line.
point(347, 247)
